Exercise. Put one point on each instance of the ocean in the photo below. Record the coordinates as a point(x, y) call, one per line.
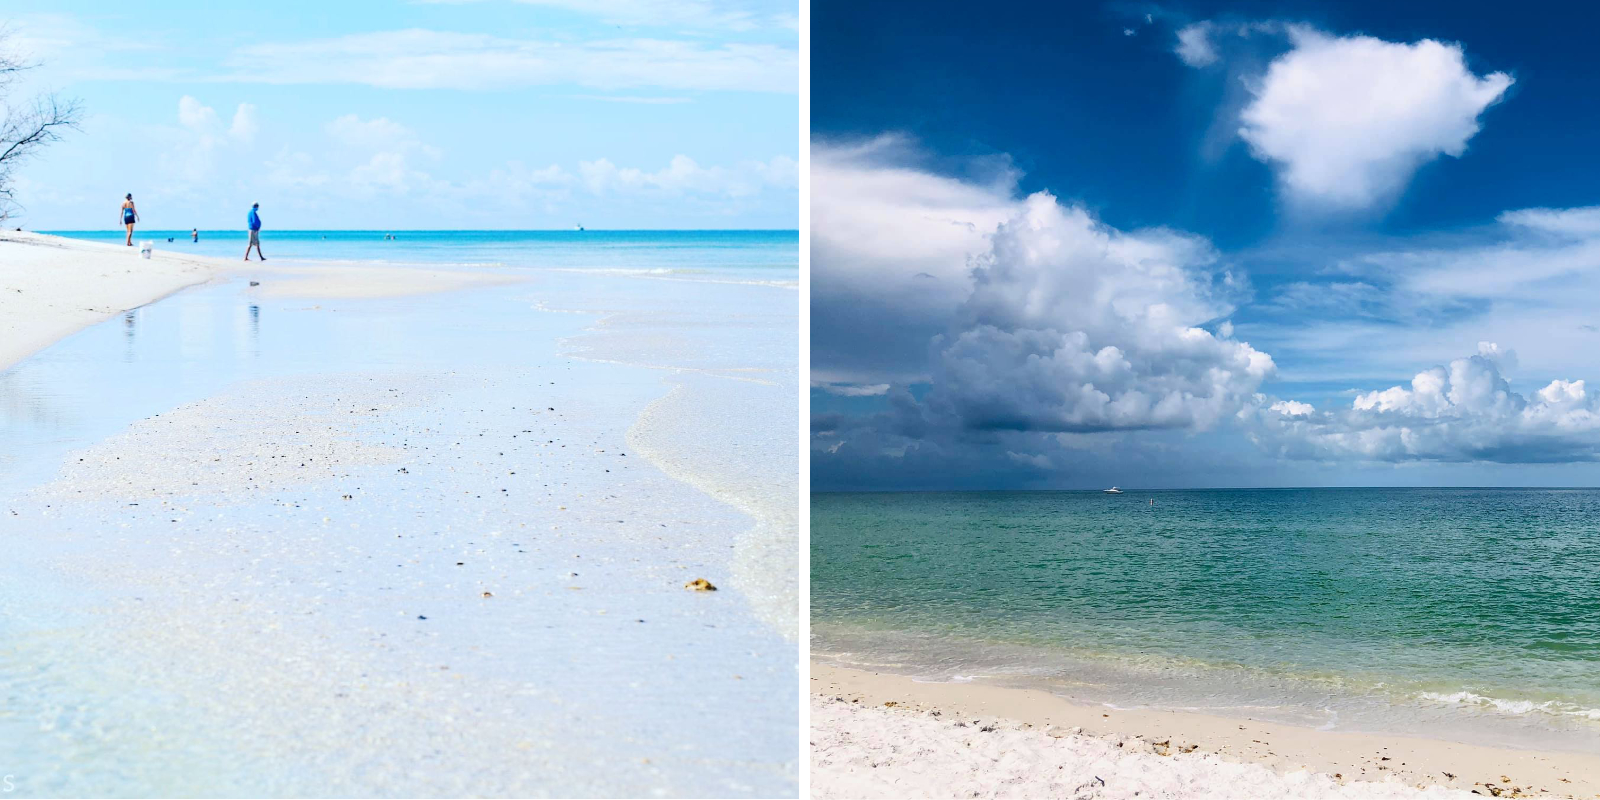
point(1466, 614)
point(751, 256)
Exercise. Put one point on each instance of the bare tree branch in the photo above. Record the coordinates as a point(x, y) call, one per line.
point(27, 127)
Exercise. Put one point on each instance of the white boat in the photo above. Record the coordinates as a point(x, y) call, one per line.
point(1113, 490)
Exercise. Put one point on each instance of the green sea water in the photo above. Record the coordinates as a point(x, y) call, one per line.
point(1470, 614)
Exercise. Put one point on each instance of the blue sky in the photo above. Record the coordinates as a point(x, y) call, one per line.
point(468, 114)
point(1208, 244)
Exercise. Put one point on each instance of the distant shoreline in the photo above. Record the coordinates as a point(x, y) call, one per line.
point(1137, 491)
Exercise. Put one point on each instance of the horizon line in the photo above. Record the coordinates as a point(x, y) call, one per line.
point(441, 230)
point(1180, 489)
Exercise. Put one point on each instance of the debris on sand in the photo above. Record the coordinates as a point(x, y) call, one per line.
point(700, 585)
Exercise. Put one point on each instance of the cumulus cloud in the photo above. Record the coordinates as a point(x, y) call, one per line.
point(1347, 120)
point(1045, 321)
point(201, 138)
point(245, 125)
point(1074, 326)
point(1463, 411)
point(890, 244)
point(196, 115)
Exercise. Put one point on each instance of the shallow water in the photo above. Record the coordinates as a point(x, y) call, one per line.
point(743, 256)
point(1460, 613)
point(205, 607)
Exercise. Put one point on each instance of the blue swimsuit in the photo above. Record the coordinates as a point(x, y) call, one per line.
point(127, 216)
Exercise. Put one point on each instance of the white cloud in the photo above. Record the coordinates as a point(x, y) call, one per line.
point(387, 153)
point(1564, 221)
point(1043, 319)
point(1194, 45)
point(1464, 411)
point(684, 176)
point(244, 125)
point(1347, 120)
point(1292, 408)
point(193, 148)
point(1075, 326)
point(694, 14)
point(367, 156)
point(890, 244)
point(1528, 282)
point(196, 115)
point(426, 59)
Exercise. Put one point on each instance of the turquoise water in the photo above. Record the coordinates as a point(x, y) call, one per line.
point(1467, 613)
point(747, 255)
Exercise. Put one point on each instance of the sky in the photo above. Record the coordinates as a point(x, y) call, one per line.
point(507, 114)
point(1203, 245)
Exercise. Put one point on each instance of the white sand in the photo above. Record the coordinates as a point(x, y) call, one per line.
point(257, 438)
point(52, 286)
point(860, 752)
point(879, 735)
point(366, 281)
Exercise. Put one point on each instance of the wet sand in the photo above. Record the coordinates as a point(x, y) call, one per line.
point(884, 735)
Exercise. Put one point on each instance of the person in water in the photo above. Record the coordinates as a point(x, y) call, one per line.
point(130, 215)
point(196, 234)
point(255, 232)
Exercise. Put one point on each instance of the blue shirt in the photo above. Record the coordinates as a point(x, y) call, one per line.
point(255, 221)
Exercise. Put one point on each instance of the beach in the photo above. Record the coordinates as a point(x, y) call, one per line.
point(54, 286)
point(884, 735)
point(1315, 629)
point(398, 526)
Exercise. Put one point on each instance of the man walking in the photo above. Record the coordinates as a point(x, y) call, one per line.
point(255, 233)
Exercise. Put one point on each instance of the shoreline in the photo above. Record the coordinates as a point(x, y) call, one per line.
point(848, 760)
point(52, 286)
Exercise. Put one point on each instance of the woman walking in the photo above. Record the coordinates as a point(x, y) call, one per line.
point(130, 215)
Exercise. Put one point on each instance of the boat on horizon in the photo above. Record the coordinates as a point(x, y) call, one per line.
point(1112, 490)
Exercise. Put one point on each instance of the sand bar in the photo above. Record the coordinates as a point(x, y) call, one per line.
point(51, 286)
point(54, 286)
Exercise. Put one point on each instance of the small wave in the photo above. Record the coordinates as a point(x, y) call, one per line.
point(951, 679)
point(1516, 707)
point(676, 274)
point(625, 270)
